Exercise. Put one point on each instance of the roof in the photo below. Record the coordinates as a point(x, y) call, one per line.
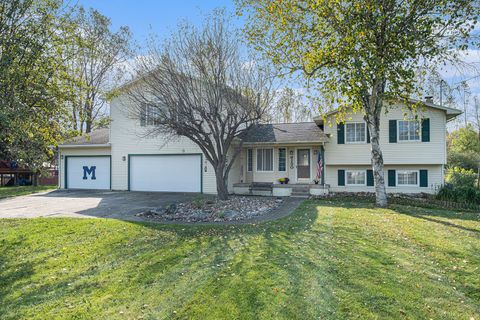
point(99, 137)
point(284, 133)
point(450, 112)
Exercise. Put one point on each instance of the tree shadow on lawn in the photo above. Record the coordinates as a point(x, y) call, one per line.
point(305, 265)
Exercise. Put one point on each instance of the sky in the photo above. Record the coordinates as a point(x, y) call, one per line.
point(160, 17)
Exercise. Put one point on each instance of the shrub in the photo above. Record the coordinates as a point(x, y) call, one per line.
point(460, 177)
point(199, 202)
point(466, 194)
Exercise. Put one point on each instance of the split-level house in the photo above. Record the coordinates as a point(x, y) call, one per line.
point(317, 157)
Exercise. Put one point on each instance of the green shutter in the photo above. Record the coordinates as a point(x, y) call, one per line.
point(426, 130)
point(368, 135)
point(423, 178)
point(341, 133)
point(391, 178)
point(341, 177)
point(370, 178)
point(392, 130)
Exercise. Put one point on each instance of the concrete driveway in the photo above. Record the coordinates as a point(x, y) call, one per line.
point(86, 203)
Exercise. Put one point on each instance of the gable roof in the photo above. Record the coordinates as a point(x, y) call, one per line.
point(301, 132)
point(98, 137)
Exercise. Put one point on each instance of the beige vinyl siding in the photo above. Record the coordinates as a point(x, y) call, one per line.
point(128, 137)
point(273, 176)
point(417, 152)
point(435, 178)
point(81, 151)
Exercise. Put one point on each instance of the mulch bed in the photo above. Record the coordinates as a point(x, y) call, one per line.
point(205, 209)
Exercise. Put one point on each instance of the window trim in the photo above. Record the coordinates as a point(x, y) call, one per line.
point(147, 115)
point(355, 142)
point(278, 160)
point(355, 184)
point(397, 184)
point(273, 160)
point(409, 140)
point(249, 161)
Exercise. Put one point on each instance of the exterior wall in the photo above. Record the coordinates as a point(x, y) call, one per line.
point(435, 178)
point(83, 151)
point(273, 176)
point(432, 152)
point(128, 137)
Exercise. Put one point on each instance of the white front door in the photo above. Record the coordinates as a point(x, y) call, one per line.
point(87, 172)
point(167, 173)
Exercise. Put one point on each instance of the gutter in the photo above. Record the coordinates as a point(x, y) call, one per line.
point(69, 146)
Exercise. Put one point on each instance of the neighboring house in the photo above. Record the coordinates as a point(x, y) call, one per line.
point(122, 158)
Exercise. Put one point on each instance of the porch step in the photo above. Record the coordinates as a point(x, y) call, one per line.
point(300, 195)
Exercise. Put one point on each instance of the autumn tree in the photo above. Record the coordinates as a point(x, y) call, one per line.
point(291, 106)
point(199, 85)
point(32, 79)
point(360, 54)
point(97, 60)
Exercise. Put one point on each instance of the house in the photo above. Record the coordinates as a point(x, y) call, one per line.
point(123, 158)
point(11, 174)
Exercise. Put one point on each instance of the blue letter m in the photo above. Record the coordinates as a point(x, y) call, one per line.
point(89, 171)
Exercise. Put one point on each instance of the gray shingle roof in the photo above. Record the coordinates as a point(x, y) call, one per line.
point(99, 136)
point(285, 133)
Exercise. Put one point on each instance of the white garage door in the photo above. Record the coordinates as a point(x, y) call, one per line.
point(169, 173)
point(87, 172)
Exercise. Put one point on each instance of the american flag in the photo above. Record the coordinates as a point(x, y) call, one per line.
point(319, 166)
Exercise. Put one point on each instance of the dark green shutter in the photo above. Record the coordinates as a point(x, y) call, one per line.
point(368, 135)
point(392, 130)
point(369, 178)
point(423, 178)
point(391, 178)
point(341, 177)
point(341, 133)
point(426, 130)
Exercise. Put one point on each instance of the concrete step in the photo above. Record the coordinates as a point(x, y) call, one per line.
point(303, 196)
point(300, 193)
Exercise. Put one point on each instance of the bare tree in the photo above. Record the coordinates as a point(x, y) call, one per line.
point(197, 85)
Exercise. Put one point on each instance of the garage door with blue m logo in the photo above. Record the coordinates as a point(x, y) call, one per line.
point(87, 172)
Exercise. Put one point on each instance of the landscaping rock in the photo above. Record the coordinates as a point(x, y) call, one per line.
point(208, 210)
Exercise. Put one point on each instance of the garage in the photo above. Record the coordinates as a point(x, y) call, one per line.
point(87, 172)
point(167, 173)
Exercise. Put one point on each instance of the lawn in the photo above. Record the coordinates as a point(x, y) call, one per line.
point(328, 260)
point(6, 192)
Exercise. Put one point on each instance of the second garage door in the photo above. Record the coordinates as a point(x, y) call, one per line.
point(167, 173)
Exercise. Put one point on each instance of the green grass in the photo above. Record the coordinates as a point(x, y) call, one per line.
point(329, 260)
point(7, 192)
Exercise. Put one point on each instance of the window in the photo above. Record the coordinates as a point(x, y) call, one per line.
point(282, 159)
point(249, 159)
point(356, 178)
point(408, 130)
point(355, 132)
point(149, 115)
point(407, 178)
point(264, 159)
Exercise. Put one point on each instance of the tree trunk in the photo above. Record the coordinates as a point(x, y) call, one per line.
point(377, 164)
point(35, 179)
point(222, 189)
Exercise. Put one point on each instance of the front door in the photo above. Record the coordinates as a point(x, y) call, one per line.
point(303, 164)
